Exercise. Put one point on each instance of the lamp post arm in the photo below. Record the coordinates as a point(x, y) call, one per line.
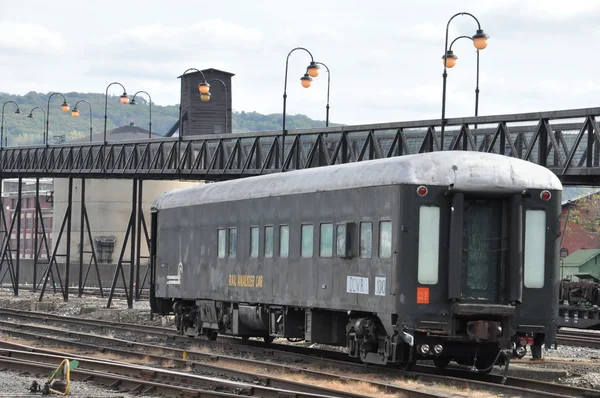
point(285, 80)
point(477, 73)
point(48, 115)
point(106, 105)
point(195, 70)
point(43, 121)
point(2, 122)
point(226, 101)
point(181, 100)
point(445, 74)
point(90, 106)
point(328, 86)
point(150, 103)
point(459, 37)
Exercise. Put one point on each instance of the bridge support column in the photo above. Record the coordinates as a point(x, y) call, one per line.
point(18, 216)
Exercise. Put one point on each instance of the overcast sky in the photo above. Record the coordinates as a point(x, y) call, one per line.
point(384, 56)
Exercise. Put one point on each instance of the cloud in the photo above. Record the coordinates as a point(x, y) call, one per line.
point(167, 41)
point(548, 10)
point(427, 33)
point(30, 39)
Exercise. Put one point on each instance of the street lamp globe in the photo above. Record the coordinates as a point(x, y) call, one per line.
point(205, 97)
point(204, 87)
point(480, 40)
point(65, 107)
point(75, 112)
point(313, 69)
point(306, 80)
point(124, 98)
point(450, 59)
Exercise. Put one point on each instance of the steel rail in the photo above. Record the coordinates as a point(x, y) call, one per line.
point(426, 374)
point(264, 386)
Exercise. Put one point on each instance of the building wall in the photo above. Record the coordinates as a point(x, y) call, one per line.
point(108, 204)
point(575, 237)
point(28, 214)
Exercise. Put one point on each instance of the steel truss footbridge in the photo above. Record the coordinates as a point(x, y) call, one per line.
point(566, 142)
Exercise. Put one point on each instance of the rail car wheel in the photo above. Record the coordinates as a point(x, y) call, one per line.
point(268, 339)
point(212, 335)
point(411, 358)
point(441, 362)
point(245, 338)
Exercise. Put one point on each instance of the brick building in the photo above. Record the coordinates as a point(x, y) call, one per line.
point(579, 204)
point(10, 189)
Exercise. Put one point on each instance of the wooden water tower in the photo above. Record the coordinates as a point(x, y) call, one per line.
point(213, 116)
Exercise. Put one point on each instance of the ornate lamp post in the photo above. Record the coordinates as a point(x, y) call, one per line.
point(124, 99)
point(75, 113)
point(203, 88)
point(43, 111)
point(18, 111)
point(312, 70)
point(226, 102)
point(64, 107)
point(328, 85)
point(480, 41)
point(150, 103)
point(450, 61)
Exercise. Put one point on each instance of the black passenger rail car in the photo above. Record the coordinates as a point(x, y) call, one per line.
point(444, 256)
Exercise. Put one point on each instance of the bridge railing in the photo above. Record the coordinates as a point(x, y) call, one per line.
point(567, 142)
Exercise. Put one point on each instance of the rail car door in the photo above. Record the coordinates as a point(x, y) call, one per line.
point(484, 244)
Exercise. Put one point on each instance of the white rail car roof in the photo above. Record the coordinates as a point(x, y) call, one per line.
point(468, 171)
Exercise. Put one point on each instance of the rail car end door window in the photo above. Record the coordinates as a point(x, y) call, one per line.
point(535, 248)
point(429, 245)
point(483, 247)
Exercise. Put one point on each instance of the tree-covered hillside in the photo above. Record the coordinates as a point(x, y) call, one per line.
point(19, 129)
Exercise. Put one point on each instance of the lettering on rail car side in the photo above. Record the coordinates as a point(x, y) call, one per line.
point(175, 279)
point(245, 280)
point(379, 286)
point(357, 284)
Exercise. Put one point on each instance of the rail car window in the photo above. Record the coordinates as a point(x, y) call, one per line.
point(253, 242)
point(268, 241)
point(307, 240)
point(429, 245)
point(284, 241)
point(366, 239)
point(326, 246)
point(341, 240)
point(232, 242)
point(535, 248)
point(221, 243)
point(385, 239)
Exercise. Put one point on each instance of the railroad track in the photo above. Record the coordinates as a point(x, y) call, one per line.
point(578, 338)
point(73, 291)
point(147, 379)
point(211, 363)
